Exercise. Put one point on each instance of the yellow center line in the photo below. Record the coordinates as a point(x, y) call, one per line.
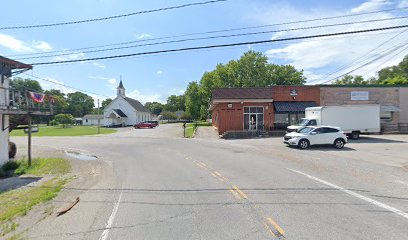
point(236, 195)
point(203, 164)
point(240, 192)
point(276, 226)
point(268, 229)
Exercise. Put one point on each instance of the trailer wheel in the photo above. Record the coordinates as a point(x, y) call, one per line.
point(12, 149)
point(355, 135)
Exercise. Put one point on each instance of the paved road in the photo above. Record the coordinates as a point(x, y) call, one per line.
point(167, 187)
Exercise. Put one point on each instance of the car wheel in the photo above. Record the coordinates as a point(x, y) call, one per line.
point(355, 135)
point(303, 144)
point(339, 143)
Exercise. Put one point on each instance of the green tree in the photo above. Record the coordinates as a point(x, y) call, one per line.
point(106, 102)
point(175, 103)
point(64, 119)
point(79, 104)
point(351, 80)
point(60, 102)
point(154, 107)
point(193, 100)
point(21, 84)
point(166, 115)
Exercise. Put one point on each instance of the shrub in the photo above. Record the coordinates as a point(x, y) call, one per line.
point(10, 165)
point(54, 123)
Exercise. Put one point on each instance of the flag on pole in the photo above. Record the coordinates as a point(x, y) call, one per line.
point(36, 97)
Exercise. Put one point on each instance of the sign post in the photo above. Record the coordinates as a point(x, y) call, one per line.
point(29, 141)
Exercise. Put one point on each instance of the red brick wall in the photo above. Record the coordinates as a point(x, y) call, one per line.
point(305, 93)
point(229, 119)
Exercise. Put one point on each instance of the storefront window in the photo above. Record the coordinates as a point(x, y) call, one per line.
point(253, 118)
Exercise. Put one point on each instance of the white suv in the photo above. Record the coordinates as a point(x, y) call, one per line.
point(307, 136)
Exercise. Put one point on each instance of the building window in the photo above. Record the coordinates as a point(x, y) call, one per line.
point(386, 116)
point(86, 120)
point(253, 118)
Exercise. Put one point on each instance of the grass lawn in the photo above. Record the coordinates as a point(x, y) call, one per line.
point(190, 127)
point(67, 131)
point(18, 202)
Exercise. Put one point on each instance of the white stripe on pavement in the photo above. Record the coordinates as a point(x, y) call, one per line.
point(367, 199)
point(105, 233)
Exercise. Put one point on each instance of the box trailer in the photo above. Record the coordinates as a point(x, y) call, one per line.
point(352, 119)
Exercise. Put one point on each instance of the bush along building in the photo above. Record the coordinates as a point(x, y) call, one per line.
point(253, 111)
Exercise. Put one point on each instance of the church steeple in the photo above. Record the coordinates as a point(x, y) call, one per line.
point(121, 89)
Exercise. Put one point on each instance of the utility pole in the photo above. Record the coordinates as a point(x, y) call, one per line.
point(99, 120)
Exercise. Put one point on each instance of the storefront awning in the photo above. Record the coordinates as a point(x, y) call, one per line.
point(292, 106)
point(389, 108)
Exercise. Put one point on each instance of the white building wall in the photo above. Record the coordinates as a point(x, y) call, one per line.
point(91, 122)
point(122, 104)
point(4, 135)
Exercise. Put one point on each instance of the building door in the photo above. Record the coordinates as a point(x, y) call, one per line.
point(253, 118)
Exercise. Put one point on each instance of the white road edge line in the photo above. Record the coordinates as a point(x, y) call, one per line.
point(108, 226)
point(367, 199)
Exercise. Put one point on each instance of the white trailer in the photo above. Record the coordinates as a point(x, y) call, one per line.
point(352, 119)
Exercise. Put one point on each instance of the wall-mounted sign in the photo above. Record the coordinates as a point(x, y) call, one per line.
point(293, 92)
point(229, 105)
point(359, 96)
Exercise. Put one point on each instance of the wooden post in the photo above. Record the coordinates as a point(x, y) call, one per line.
point(29, 140)
point(99, 120)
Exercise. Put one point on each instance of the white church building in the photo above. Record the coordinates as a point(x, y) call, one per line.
point(124, 111)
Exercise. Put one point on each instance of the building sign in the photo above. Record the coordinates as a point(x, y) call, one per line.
point(229, 105)
point(293, 92)
point(359, 96)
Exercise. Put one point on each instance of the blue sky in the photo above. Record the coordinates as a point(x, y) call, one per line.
point(153, 78)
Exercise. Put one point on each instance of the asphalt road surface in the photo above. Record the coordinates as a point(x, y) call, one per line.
point(167, 187)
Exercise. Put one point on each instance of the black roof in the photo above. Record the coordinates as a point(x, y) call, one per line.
point(119, 112)
point(292, 106)
point(136, 104)
point(121, 84)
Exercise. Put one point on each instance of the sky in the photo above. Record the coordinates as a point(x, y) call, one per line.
point(155, 77)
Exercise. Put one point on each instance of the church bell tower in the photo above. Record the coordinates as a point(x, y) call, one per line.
point(121, 89)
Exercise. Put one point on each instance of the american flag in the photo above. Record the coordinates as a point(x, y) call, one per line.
point(36, 97)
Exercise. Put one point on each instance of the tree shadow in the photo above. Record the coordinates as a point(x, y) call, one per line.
point(376, 139)
point(12, 183)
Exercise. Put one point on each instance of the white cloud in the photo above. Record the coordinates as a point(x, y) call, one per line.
point(403, 4)
point(143, 36)
point(160, 72)
point(41, 45)
point(53, 83)
point(325, 54)
point(372, 5)
point(96, 64)
point(98, 78)
point(112, 83)
point(14, 44)
point(72, 56)
point(17, 45)
point(136, 94)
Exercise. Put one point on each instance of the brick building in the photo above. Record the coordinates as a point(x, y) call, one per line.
point(259, 109)
point(273, 108)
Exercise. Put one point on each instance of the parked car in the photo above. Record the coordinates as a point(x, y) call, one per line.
point(145, 125)
point(155, 123)
point(312, 135)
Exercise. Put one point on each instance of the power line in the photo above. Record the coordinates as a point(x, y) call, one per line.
point(219, 31)
point(64, 85)
point(111, 17)
point(222, 45)
point(369, 62)
point(362, 57)
point(220, 36)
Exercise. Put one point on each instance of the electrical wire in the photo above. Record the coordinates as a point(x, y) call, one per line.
point(220, 36)
point(111, 17)
point(64, 85)
point(218, 31)
point(362, 57)
point(221, 45)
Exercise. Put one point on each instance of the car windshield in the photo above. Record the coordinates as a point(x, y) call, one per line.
point(302, 121)
point(305, 130)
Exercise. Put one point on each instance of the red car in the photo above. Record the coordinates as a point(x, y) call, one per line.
point(145, 125)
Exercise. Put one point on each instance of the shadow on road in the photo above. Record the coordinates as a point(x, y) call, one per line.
point(16, 182)
point(375, 140)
